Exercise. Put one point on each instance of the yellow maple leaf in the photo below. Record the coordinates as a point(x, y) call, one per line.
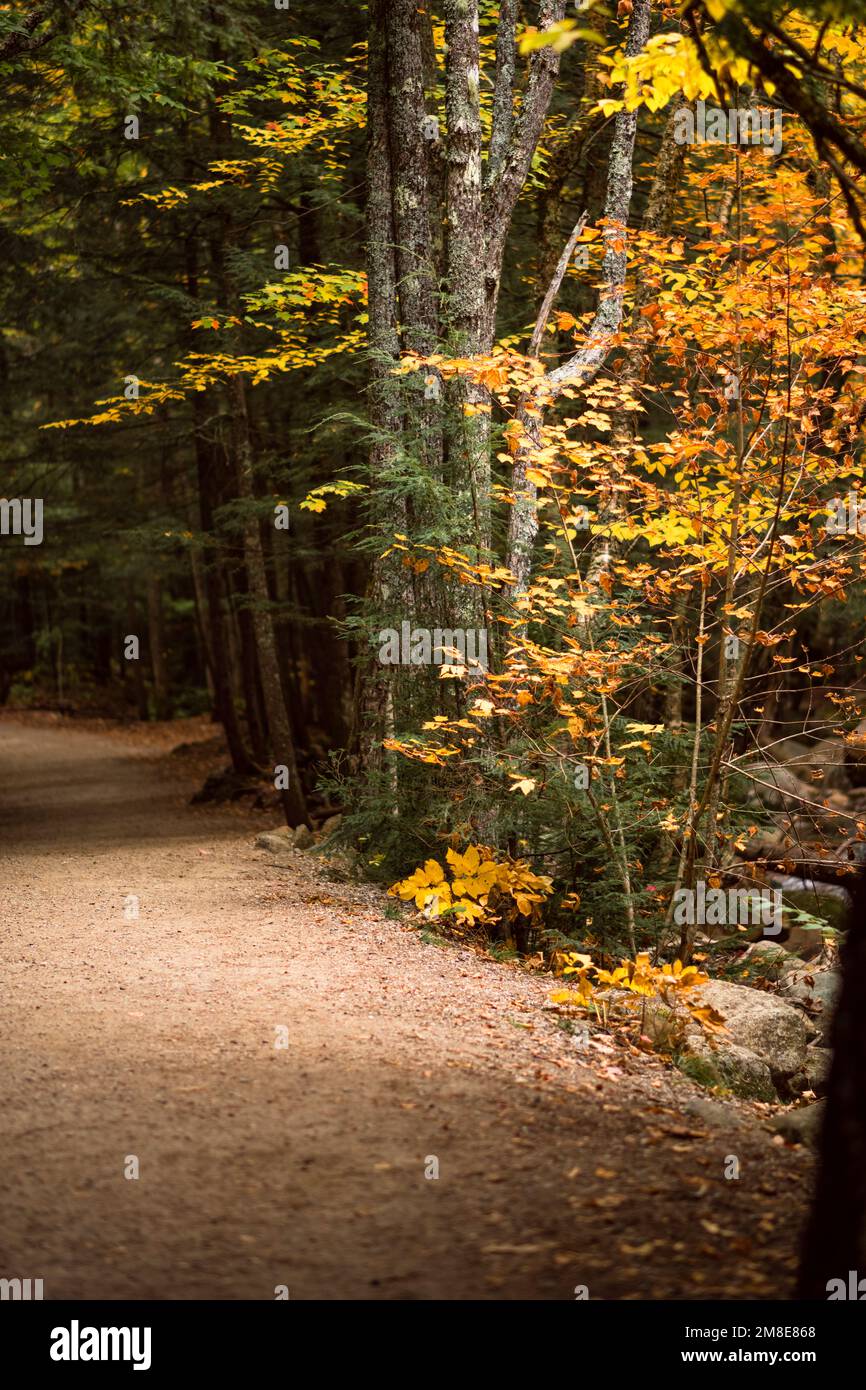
point(524, 784)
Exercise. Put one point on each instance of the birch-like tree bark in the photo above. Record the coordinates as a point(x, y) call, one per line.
point(588, 360)
point(418, 302)
point(469, 451)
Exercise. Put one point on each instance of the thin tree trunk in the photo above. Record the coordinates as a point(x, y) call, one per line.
point(249, 668)
point(213, 585)
point(657, 219)
point(156, 647)
point(279, 727)
point(211, 561)
point(416, 270)
point(513, 142)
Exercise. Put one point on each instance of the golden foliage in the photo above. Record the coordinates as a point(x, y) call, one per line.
point(481, 889)
point(633, 980)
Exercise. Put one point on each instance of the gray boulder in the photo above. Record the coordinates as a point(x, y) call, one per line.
point(734, 1068)
point(801, 1126)
point(275, 841)
point(771, 958)
point(814, 990)
point(303, 838)
point(817, 1069)
point(790, 883)
point(763, 1024)
point(804, 943)
point(777, 788)
point(827, 758)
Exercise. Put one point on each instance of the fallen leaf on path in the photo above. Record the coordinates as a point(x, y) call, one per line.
point(514, 1249)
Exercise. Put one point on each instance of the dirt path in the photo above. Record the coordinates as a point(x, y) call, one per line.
point(304, 1166)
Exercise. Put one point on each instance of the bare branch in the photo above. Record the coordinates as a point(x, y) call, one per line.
point(553, 288)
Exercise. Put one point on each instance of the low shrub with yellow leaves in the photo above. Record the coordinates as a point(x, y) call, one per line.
point(481, 888)
point(630, 985)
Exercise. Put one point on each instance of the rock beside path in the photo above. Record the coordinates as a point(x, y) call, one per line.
point(767, 1026)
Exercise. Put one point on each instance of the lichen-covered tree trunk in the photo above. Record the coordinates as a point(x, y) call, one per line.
point(417, 288)
point(421, 303)
point(469, 450)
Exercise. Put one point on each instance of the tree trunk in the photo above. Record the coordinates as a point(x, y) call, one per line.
point(835, 1237)
point(469, 451)
point(416, 269)
point(213, 585)
point(371, 696)
point(279, 727)
point(249, 668)
point(211, 562)
point(513, 142)
point(132, 668)
point(587, 362)
point(156, 647)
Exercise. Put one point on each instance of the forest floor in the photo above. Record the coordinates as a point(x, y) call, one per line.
point(304, 1165)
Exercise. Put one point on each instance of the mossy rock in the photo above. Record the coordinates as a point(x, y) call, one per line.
point(729, 1068)
point(699, 1070)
